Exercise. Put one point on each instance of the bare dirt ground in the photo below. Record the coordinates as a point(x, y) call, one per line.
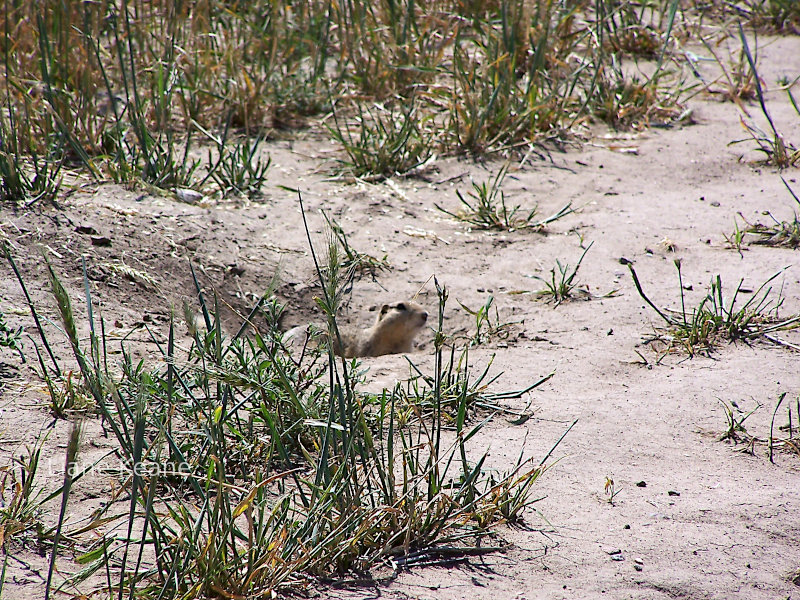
point(708, 521)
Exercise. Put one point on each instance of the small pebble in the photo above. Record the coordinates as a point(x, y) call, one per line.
point(188, 196)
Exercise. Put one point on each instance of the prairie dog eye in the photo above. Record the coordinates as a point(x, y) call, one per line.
point(401, 306)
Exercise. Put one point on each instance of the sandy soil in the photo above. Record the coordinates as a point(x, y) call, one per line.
point(694, 518)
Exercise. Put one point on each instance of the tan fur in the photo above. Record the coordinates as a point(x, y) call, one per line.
point(393, 332)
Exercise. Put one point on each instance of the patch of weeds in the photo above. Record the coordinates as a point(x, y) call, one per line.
point(389, 140)
point(25, 176)
point(354, 261)
point(628, 31)
point(792, 442)
point(487, 208)
point(735, 430)
point(10, 338)
point(625, 101)
point(248, 471)
point(737, 77)
point(784, 234)
point(69, 395)
point(20, 496)
point(611, 490)
point(456, 391)
point(563, 286)
point(237, 169)
point(772, 15)
point(772, 144)
point(487, 328)
point(713, 320)
point(490, 107)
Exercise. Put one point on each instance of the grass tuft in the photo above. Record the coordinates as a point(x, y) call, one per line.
point(487, 208)
point(783, 234)
point(563, 286)
point(714, 320)
point(388, 140)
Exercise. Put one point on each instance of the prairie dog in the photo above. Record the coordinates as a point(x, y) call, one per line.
point(393, 332)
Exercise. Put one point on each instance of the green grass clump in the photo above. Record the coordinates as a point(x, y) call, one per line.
point(714, 320)
point(21, 509)
point(777, 150)
point(563, 286)
point(770, 15)
point(486, 327)
point(390, 140)
point(247, 469)
point(487, 209)
point(784, 234)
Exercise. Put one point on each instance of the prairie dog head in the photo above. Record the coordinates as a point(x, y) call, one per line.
point(406, 315)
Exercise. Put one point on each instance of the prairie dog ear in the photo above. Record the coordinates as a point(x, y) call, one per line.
point(384, 309)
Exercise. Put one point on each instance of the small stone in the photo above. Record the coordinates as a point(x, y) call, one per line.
point(641, 484)
point(188, 196)
point(618, 557)
point(637, 567)
point(673, 493)
point(612, 551)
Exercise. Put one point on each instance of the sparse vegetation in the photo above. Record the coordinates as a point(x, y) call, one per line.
point(488, 209)
point(487, 328)
point(563, 286)
point(791, 442)
point(245, 471)
point(714, 319)
point(242, 467)
point(736, 83)
point(388, 140)
point(354, 262)
point(611, 490)
point(10, 338)
point(772, 144)
point(735, 430)
point(784, 234)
